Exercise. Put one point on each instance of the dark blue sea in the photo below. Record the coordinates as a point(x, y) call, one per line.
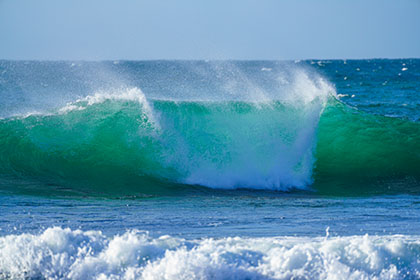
point(210, 169)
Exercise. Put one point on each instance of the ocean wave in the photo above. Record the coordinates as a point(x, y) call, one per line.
point(59, 253)
point(121, 143)
point(298, 135)
point(215, 143)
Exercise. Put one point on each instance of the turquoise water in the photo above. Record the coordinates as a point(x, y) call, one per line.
point(210, 170)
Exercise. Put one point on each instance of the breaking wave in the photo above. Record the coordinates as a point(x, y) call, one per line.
point(120, 142)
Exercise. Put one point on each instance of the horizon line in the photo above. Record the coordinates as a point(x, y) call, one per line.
point(203, 59)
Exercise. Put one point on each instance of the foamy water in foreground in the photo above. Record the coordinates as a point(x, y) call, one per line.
point(59, 253)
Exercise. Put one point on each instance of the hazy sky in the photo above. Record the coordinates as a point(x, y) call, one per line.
point(211, 29)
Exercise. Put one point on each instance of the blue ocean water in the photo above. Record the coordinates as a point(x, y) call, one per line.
point(210, 169)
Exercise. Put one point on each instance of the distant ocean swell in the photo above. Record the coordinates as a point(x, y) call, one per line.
point(60, 253)
point(120, 142)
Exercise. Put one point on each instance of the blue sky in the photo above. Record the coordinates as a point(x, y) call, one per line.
point(212, 29)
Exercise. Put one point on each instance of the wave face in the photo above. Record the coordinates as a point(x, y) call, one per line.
point(283, 130)
point(60, 253)
point(359, 152)
point(124, 139)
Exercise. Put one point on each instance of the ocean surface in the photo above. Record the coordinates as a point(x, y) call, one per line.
point(210, 169)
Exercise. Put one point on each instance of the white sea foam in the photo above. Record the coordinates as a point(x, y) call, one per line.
point(129, 94)
point(65, 254)
point(126, 94)
point(341, 95)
